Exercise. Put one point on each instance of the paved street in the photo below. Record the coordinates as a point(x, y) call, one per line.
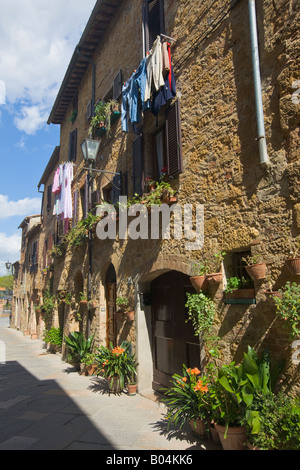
point(46, 405)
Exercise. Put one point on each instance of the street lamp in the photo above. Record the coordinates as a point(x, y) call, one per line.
point(8, 266)
point(90, 149)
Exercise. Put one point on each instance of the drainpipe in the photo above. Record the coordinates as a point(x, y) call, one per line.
point(262, 146)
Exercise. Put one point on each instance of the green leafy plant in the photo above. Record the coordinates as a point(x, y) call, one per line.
point(53, 336)
point(234, 283)
point(243, 383)
point(218, 259)
point(117, 362)
point(288, 306)
point(251, 259)
point(57, 251)
point(80, 232)
point(122, 302)
point(200, 269)
point(279, 422)
point(78, 345)
point(184, 399)
point(89, 359)
point(201, 312)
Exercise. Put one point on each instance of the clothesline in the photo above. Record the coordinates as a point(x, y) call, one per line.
point(150, 86)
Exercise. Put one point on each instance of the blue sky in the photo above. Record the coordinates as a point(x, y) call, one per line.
point(37, 40)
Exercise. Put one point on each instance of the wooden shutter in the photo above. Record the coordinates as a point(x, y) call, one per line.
point(117, 86)
point(116, 188)
point(153, 21)
point(49, 197)
point(72, 145)
point(173, 139)
point(138, 165)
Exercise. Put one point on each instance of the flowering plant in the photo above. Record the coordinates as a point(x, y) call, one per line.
point(185, 399)
point(117, 362)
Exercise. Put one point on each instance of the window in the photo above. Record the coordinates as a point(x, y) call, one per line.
point(153, 20)
point(72, 145)
point(238, 266)
point(113, 191)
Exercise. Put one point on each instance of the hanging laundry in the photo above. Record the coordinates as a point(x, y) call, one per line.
point(62, 183)
point(168, 91)
point(154, 69)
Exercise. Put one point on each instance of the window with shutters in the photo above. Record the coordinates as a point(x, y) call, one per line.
point(72, 145)
point(153, 21)
point(167, 144)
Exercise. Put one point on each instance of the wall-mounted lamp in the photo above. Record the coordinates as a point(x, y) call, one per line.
point(145, 299)
point(90, 149)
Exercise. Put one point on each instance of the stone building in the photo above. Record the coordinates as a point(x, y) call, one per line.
point(222, 129)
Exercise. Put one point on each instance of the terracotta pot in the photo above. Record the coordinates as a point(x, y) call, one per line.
point(130, 315)
point(214, 278)
point(132, 389)
point(214, 434)
point(293, 265)
point(198, 428)
point(91, 370)
point(235, 438)
point(257, 271)
point(198, 282)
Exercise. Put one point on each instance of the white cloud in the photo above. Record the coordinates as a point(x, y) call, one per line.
point(21, 208)
point(10, 247)
point(37, 40)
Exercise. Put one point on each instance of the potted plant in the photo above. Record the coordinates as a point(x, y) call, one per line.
point(216, 277)
point(293, 263)
point(53, 337)
point(83, 298)
point(184, 401)
point(288, 306)
point(238, 288)
point(79, 346)
point(150, 184)
point(256, 270)
point(241, 384)
point(117, 364)
point(132, 384)
point(89, 360)
point(198, 278)
point(124, 307)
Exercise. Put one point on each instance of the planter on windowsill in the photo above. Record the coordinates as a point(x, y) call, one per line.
point(241, 296)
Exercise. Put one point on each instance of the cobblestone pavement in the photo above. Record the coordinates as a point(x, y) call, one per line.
point(46, 405)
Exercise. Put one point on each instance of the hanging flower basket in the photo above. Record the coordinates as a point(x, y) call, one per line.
point(293, 265)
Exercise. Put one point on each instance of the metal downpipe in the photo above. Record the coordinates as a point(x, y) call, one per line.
point(261, 138)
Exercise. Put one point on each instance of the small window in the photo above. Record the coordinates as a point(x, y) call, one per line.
point(238, 266)
point(72, 145)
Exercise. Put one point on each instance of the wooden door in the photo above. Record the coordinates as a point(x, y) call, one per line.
point(174, 342)
point(110, 314)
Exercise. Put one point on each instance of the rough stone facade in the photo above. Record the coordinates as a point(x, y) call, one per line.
point(248, 207)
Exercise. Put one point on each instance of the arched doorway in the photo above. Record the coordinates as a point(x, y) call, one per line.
point(110, 293)
point(173, 340)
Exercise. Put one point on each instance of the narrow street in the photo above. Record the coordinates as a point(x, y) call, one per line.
point(46, 405)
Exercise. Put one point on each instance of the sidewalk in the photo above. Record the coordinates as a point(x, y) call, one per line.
point(46, 405)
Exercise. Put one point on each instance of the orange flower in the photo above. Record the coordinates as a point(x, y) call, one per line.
point(195, 371)
point(184, 379)
point(118, 350)
point(200, 387)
